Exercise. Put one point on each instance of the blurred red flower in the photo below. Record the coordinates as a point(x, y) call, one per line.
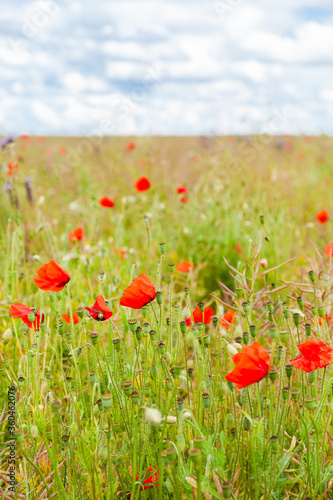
point(52, 277)
point(227, 319)
point(322, 216)
point(150, 482)
point(182, 190)
point(142, 184)
point(183, 199)
point(106, 202)
point(130, 146)
point(198, 316)
point(239, 248)
point(76, 318)
point(329, 250)
point(76, 235)
point(62, 150)
point(22, 311)
point(140, 292)
point(184, 266)
point(99, 311)
point(314, 354)
point(12, 167)
point(252, 365)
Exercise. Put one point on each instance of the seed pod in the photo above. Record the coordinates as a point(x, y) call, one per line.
point(273, 331)
point(289, 370)
point(307, 330)
point(283, 336)
point(195, 455)
point(159, 298)
point(285, 393)
point(180, 404)
point(253, 331)
point(310, 403)
point(273, 374)
point(311, 377)
point(226, 489)
point(138, 333)
point(312, 276)
point(206, 400)
point(34, 432)
point(246, 338)
point(246, 307)
point(279, 352)
point(246, 424)
point(132, 325)
point(274, 440)
point(294, 394)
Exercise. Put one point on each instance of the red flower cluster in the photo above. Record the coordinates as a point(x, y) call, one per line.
point(140, 292)
point(99, 311)
point(12, 167)
point(314, 354)
point(251, 365)
point(184, 191)
point(76, 235)
point(322, 216)
point(52, 277)
point(22, 311)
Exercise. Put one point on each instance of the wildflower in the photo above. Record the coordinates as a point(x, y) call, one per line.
point(239, 248)
point(183, 199)
point(314, 354)
point(99, 311)
point(182, 190)
point(199, 316)
point(150, 481)
point(76, 318)
point(23, 312)
point(106, 202)
point(130, 146)
point(329, 319)
point(153, 416)
point(184, 266)
point(140, 292)
point(52, 277)
point(76, 235)
point(322, 216)
point(251, 365)
point(142, 184)
point(62, 150)
point(227, 319)
point(263, 263)
point(329, 250)
point(12, 167)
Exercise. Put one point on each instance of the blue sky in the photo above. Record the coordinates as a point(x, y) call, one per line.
point(166, 67)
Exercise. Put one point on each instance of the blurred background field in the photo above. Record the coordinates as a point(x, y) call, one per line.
point(231, 181)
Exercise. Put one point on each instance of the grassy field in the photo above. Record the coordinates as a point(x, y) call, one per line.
point(136, 404)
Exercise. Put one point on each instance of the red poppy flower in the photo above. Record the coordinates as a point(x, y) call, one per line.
point(26, 138)
point(106, 202)
point(150, 481)
point(142, 184)
point(184, 266)
point(52, 277)
point(314, 354)
point(329, 250)
point(62, 150)
point(99, 311)
point(239, 248)
point(183, 199)
point(251, 365)
point(199, 317)
point(140, 292)
point(188, 322)
point(322, 216)
point(182, 190)
point(11, 168)
point(121, 253)
point(21, 311)
point(327, 318)
point(227, 319)
point(76, 235)
point(76, 318)
point(130, 146)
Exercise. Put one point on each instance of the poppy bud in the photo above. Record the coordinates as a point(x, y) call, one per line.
point(31, 317)
point(159, 298)
point(106, 400)
point(231, 385)
point(92, 377)
point(246, 307)
point(178, 369)
point(117, 427)
point(94, 337)
point(273, 374)
point(24, 327)
point(321, 311)
point(190, 372)
point(34, 431)
point(270, 316)
point(311, 377)
point(238, 340)
point(246, 338)
point(171, 268)
point(195, 455)
point(274, 440)
point(132, 325)
point(253, 331)
point(314, 311)
point(239, 292)
point(171, 454)
point(168, 321)
point(312, 276)
point(134, 397)
point(262, 222)
point(284, 336)
point(182, 326)
point(296, 318)
point(116, 344)
point(7, 336)
point(101, 276)
point(206, 400)
point(206, 339)
point(200, 326)
point(127, 388)
point(231, 350)
point(300, 302)
point(186, 291)
point(273, 331)
point(144, 311)
point(270, 306)
point(246, 424)
point(233, 432)
point(294, 394)
point(308, 330)
point(181, 443)
point(279, 352)
point(226, 489)
point(201, 306)
point(21, 276)
point(152, 334)
point(138, 333)
point(162, 247)
point(180, 404)
point(43, 327)
point(289, 370)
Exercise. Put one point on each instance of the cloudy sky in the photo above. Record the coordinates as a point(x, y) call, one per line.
point(80, 67)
